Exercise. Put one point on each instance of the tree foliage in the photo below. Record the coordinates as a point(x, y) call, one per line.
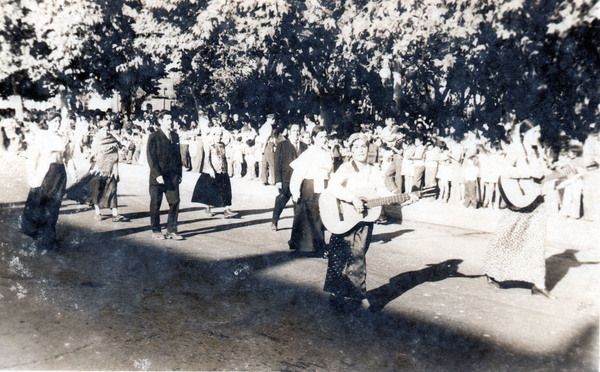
point(463, 64)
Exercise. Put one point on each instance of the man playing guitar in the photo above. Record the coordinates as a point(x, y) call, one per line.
point(346, 269)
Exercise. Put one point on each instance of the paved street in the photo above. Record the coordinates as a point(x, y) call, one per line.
point(231, 297)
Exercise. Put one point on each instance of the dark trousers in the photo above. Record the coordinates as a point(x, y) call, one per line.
point(281, 201)
point(156, 195)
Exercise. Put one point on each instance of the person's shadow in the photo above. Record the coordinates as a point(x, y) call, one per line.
point(398, 285)
point(558, 265)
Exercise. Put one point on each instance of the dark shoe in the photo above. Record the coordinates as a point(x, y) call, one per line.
point(120, 218)
point(174, 236)
point(273, 226)
point(158, 235)
point(543, 291)
point(337, 303)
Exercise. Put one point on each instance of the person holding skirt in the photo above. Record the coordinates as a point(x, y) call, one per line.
point(99, 187)
point(309, 177)
point(47, 179)
point(213, 187)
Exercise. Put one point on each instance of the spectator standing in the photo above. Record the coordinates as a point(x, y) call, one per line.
point(591, 179)
point(287, 151)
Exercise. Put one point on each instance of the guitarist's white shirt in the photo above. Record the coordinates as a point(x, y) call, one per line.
point(351, 180)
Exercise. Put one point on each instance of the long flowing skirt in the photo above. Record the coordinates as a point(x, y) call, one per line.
point(95, 189)
point(517, 250)
point(43, 205)
point(308, 232)
point(215, 192)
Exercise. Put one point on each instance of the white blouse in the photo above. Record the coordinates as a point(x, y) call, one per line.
point(49, 147)
point(313, 164)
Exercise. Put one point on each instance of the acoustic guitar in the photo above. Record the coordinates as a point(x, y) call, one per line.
point(339, 216)
point(521, 193)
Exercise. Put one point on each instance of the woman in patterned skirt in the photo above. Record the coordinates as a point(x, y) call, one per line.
point(517, 250)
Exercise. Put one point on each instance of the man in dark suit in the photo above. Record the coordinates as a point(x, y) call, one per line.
point(164, 158)
point(286, 152)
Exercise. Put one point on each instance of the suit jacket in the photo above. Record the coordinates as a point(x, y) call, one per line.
point(164, 159)
point(284, 155)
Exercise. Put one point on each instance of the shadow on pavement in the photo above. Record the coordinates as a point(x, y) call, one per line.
point(184, 312)
point(387, 237)
point(379, 297)
point(558, 265)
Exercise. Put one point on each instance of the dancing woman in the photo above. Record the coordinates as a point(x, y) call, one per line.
point(516, 252)
point(309, 177)
point(213, 187)
point(47, 180)
point(99, 187)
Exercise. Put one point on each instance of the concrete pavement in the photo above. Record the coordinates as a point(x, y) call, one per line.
point(234, 282)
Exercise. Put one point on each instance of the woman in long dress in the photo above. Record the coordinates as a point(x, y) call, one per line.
point(99, 187)
point(309, 177)
point(517, 251)
point(47, 179)
point(213, 187)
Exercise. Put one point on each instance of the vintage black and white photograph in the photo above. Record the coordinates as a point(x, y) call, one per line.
point(299, 185)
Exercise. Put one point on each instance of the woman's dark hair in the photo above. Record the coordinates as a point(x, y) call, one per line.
point(524, 127)
point(318, 129)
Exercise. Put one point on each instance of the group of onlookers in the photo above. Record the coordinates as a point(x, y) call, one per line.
point(465, 171)
point(382, 161)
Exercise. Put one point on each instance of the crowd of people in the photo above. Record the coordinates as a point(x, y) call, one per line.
point(466, 170)
point(303, 160)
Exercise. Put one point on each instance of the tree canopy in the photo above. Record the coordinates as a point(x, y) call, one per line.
point(462, 64)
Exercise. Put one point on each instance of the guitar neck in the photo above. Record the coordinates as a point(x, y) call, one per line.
point(400, 198)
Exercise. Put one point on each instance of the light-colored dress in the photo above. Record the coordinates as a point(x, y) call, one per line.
point(518, 248)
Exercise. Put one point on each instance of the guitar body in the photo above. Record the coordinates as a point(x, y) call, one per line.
point(519, 193)
point(339, 216)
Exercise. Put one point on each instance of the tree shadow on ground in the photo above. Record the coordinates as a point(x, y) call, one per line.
point(402, 283)
point(224, 227)
point(247, 212)
point(146, 214)
point(186, 312)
